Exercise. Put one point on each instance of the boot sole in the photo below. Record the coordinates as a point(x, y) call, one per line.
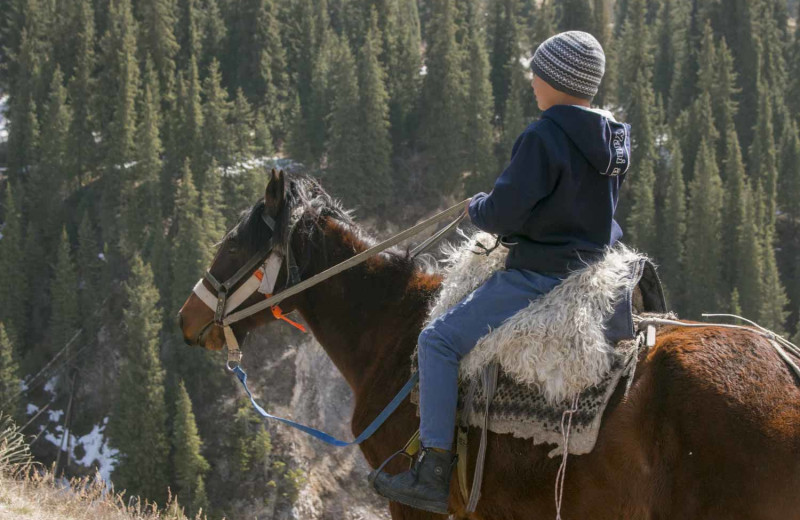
point(425, 505)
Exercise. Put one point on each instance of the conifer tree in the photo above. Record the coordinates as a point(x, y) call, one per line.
point(189, 33)
point(90, 277)
point(143, 212)
point(344, 133)
point(635, 47)
point(516, 115)
point(214, 32)
point(772, 311)
point(137, 426)
point(479, 133)
point(9, 376)
point(120, 87)
point(504, 49)
point(602, 30)
point(47, 182)
point(376, 146)
point(190, 253)
point(64, 318)
point(793, 68)
point(13, 286)
point(23, 128)
point(670, 48)
point(37, 294)
point(403, 75)
point(190, 465)
point(763, 159)
point(724, 90)
point(442, 95)
point(190, 117)
point(212, 209)
point(81, 86)
point(242, 128)
point(158, 20)
point(576, 15)
point(734, 210)
point(216, 131)
point(672, 226)
point(702, 236)
point(545, 24)
point(262, 138)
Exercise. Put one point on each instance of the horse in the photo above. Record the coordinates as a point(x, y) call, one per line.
point(708, 429)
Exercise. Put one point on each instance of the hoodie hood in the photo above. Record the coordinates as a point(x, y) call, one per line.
point(604, 142)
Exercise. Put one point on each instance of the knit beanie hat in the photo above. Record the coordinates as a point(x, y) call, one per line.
point(572, 62)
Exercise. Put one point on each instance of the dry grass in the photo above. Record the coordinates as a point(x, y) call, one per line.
point(30, 492)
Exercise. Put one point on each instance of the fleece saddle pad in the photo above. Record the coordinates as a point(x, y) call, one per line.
point(578, 340)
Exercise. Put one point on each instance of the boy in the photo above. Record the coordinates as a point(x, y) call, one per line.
point(554, 207)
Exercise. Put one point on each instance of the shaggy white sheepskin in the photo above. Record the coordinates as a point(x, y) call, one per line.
point(557, 343)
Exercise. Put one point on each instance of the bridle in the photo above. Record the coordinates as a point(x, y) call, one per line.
point(260, 273)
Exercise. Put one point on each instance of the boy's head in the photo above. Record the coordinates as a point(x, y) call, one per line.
point(567, 68)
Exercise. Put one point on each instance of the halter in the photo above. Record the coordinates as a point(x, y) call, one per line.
point(261, 273)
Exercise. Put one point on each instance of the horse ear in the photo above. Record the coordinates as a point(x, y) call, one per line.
point(274, 195)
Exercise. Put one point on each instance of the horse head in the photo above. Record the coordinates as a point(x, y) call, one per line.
point(254, 249)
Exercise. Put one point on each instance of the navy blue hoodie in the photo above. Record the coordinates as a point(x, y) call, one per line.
point(556, 199)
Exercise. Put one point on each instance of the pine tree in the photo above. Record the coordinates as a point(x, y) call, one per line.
point(671, 48)
point(90, 278)
point(218, 141)
point(190, 254)
point(137, 426)
point(601, 29)
point(375, 143)
point(479, 133)
point(576, 15)
point(672, 226)
point(64, 319)
point(793, 68)
point(242, 129)
point(724, 91)
point(763, 158)
point(545, 24)
point(192, 122)
point(504, 49)
point(212, 209)
point(9, 376)
point(636, 53)
point(403, 74)
point(120, 87)
point(13, 286)
point(189, 33)
point(143, 212)
point(214, 31)
point(190, 466)
point(158, 20)
point(23, 129)
point(772, 311)
point(702, 235)
point(344, 132)
point(262, 144)
point(442, 95)
point(748, 272)
point(734, 209)
point(517, 114)
point(701, 115)
point(81, 87)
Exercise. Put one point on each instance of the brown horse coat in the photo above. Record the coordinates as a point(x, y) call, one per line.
point(709, 430)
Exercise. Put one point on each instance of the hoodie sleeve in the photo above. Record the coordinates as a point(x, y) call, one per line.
point(527, 179)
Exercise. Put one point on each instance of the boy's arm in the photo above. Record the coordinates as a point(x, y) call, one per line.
point(527, 179)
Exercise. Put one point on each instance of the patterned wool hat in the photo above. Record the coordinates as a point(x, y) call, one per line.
point(572, 62)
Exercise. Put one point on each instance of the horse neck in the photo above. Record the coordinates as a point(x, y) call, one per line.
point(367, 318)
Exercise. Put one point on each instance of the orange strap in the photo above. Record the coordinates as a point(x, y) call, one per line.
point(278, 313)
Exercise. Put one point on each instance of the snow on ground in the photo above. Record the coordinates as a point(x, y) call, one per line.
point(260, 162)
point(3, 120)
point(94, 444)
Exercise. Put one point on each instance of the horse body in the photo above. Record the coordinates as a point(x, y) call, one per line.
point(709, 428)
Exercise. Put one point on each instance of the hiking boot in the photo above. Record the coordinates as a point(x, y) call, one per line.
point(425, 486)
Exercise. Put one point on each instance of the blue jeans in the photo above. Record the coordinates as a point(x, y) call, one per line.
point(449, 338)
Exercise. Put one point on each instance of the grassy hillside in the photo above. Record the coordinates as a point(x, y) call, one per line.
point(30, 492)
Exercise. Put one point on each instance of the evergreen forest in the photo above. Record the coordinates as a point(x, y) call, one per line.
point(134, 132)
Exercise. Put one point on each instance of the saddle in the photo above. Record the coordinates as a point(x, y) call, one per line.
point(566, 352)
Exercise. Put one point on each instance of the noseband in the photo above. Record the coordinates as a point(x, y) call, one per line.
point(261, 272)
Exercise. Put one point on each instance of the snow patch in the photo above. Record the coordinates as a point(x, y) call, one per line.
point(3, 120)
point(31, 409)
point(94, 444)
point(259, 162)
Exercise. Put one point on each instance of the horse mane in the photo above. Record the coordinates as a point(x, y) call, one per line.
point(306, 192)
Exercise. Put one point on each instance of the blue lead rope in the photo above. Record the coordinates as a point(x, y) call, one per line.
point(330, 439)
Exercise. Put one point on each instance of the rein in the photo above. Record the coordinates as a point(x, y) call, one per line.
point(263, 269)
